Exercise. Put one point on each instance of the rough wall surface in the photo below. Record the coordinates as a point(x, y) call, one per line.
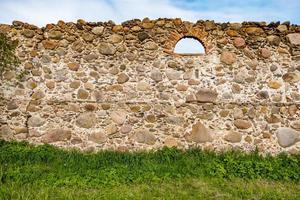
point(104, 86)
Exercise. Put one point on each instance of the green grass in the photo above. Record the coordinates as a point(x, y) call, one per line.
point(45, 172)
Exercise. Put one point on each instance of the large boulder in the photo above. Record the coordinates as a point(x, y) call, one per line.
point(206, 95)
point(106, 48)
point(294, 38)
point(287, 136)
point(144, 136)
point(86, 120)
point(55, 135)
point(199, 134)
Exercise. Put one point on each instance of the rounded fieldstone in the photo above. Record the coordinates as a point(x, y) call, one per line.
point(56, 35)
point(151, 46)
point(122, 78)
point(239, 42)
point(228, 57)
point(73, 66)
point(82, 94)
point(98, 30)
point(242, 124)
point(118, 117)
point(144, 136)
point(233, 137)
point(294, 38)
point(156, 75)
point(86, 120)
point(36, 121)
point(206, 95)
point(98, 137)
point(55, 135)
point(287, 136)
point(106, 48)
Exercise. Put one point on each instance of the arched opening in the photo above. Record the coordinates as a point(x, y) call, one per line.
point(189, 46)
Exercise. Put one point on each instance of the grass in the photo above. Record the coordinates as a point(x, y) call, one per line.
point(45, 172)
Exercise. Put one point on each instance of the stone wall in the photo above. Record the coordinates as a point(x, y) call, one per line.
point(104, 86)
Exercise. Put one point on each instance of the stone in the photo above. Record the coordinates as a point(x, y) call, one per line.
point(274, 84)
point(287, 136)
point(142, 86)
point(156, 75)
point(55, 135)
point(111, 129)
point(233, 137)
point(50, 85)
point(106, 48)
point(254, 31)
point(151, 46)
point(6, 132)
point(296, 124)
point(86, 120)
point(98, 30)
point(273, 40)
point(147, 25)
point(98, 137)
point(73, 66)
point(88, 37)
point(119, 117)
point(36, 121)
point(115, 38)
point(199, 134)
point(294, 38)
point(28, 33)
point(122, 78)
point(49, 44)
point(56, 35)
point(206, 95)
point(171, 142)
point(228, 58)
point(144, 136)
point(239, 42)
point(143, 36)
point(126, 128)
point(74, 84)
point(12, 105)
point(232, 33)
point(242, 124)
point(265, 53)
point(39, 94)
point(282, 28)
point(117, 28)
point(82, 94)
point(78, 46)
point(291, 77)
point(173, 74)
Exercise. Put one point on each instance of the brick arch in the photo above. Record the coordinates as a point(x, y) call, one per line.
point(190, 32)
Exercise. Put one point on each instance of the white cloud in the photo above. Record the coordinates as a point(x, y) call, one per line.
point(41, 12)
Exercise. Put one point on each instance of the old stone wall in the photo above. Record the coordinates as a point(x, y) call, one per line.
point(104, 86)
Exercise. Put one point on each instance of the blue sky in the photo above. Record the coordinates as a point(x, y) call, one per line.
point(41, 12)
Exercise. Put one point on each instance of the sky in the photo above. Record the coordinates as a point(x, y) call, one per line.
point(42, 12)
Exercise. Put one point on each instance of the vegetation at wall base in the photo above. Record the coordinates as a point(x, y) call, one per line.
point(46, 172)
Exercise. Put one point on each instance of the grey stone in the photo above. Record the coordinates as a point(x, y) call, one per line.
point(144, 136)
point(287, 136)
point(106, 48)
point(36, 121)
